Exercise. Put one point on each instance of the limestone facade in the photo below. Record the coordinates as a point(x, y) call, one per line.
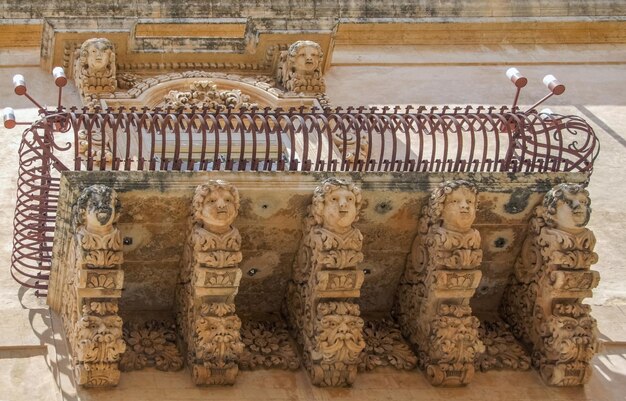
point(228, 282)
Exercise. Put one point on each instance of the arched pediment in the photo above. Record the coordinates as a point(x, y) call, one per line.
point(199, 88)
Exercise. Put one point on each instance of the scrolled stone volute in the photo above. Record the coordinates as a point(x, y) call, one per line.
point(94, 67)
point(441, 275)
point(543, 302)
point(300, 68)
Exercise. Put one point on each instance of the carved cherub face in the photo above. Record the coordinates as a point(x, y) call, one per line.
point(572, 211)
point(341, 338)
point(307, 59)
point(107, 329)
point(218, 210)
point(340, 210)
point(459, 209)
point(97, 53)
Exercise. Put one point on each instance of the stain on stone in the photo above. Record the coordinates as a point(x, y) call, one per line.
point(499, 242)
point(383, 207)
point(518, 201)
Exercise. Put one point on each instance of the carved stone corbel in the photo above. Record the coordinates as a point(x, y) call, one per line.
point(95, 282)
point(300, 68)
point(543, 302)
point(325, 279)
point(209, 282)
point(441, 275)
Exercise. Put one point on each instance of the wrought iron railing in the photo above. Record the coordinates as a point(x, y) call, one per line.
point(354, 139)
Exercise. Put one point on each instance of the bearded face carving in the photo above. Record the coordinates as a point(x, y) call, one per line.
point(219, 339)
point(340, 338)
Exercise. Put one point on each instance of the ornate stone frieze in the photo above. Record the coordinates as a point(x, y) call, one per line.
point(267, 345)
point(325, 279)
point(502, 351)
point(300, 68)
point(94, 69)
point(441, 275)
point(95, 281)
point(204, 93)
point(385, 346)
point(209, 281)
point(151, 344)
point(552, 276)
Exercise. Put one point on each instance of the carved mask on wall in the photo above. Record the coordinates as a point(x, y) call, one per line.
point(339, 211)
point(219, 210)
point(459, 210)
point(97, 209)
point(572, 212)
point(307, 60)
point(98, 56)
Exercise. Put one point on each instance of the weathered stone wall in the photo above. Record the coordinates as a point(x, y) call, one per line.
point(156, 206)
point(305, 9)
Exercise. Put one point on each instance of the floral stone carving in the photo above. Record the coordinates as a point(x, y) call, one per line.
point(204, 94)
point(267, 345)
point(300, 68)
point(385, 346)
point(209, 282)
point(502, 351)
point(543, 302)
point(94, 68)
point(94, 285)
point(151, 344)
point(441, 275)
point(325, 279)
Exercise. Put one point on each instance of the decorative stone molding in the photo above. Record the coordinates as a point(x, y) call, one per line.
point(543, 302)
point(204, 94)
point(441, 276)
point(267, 345)
point(94, 69)
point(151, 344)
point(385, 346)
point(209, 282)
point(300, 68)
point(325, 279)
point(94, 285)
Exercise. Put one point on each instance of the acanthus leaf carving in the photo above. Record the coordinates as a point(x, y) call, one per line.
point(384, 346)
point(267, 345)
point(151, 344)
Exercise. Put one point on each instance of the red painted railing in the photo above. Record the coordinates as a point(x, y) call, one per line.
point(354, 139)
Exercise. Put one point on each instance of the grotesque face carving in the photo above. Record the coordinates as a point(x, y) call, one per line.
point(572, 337)
point(459, 210)
point(336, 205)
point(99, 339)
point(216, 205)
point(97, 55)
point(219, 337)
point(568, 207)
point(97, 209)
point(341, 338)
point(307, 59)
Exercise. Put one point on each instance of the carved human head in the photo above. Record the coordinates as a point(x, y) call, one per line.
point(305, 57)
point(97, 209)
point(453, 205)
point(97, 55)
point(567, 207)
point(340, 332)
point(216, 205)
point(336, 204)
